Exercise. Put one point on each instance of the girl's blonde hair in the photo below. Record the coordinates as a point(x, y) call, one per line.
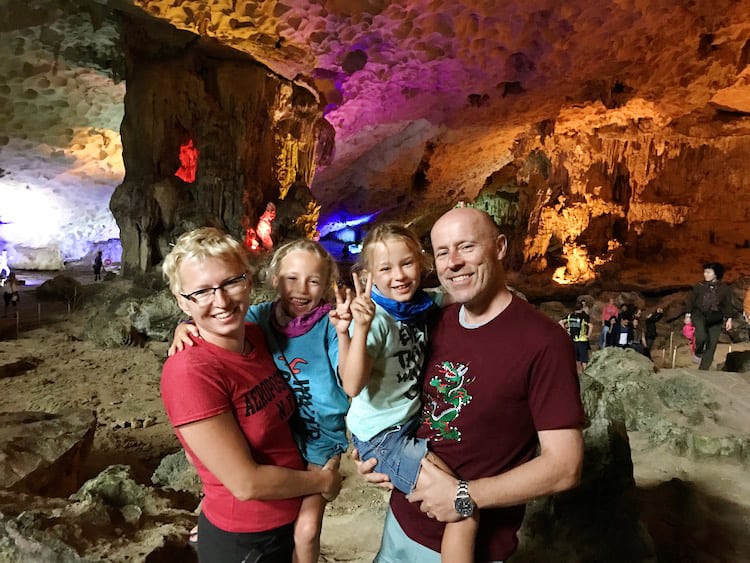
point(199, 244)
point(331, 273)
point(387, 231)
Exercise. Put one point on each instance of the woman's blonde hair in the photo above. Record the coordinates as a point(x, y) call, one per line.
point(387, 231)
point(199, 244)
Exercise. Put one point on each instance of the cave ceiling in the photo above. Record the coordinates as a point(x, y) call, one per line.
point(605, 115)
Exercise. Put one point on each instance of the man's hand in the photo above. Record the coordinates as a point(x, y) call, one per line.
point(729, 324)
point(436, 493)
point(365, 469)
point(182, 337)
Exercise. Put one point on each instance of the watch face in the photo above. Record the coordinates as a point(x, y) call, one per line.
point(464, 506)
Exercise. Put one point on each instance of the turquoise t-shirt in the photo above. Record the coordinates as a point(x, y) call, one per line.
point(309, 363)
point(392, 395)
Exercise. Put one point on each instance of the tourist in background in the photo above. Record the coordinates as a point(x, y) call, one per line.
point(607, 331)
point(710, 310)
point(98, 264)
point(622, 335)
point(4, 267)
point(10, 292)
point(651, 333)
point(608, 311)
point(579, 328)
point(688, 331)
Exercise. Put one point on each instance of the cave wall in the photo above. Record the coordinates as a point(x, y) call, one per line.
point(256, 133)
point(639, 190)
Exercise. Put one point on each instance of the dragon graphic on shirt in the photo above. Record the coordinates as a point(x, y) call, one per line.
point(450, 384)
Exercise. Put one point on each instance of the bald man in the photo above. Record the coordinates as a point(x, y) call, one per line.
point(499, 382)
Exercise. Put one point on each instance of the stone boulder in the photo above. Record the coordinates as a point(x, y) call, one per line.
point(177, 473)
point(60, 288)
point(679, 408)
point(599, 520)
point(123, 313)
point(43, 453)
point(111, 518)
point(738, 362)
point(622, 391)
point(15, 366)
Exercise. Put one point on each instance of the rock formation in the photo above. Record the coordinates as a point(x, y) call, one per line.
point(43, 453)
point(111, 518)
point(183, 90)
point(598, 134)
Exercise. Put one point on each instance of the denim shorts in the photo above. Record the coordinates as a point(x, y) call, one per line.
point(398, 452)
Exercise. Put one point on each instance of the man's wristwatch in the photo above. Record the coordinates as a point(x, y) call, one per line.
point(464, 504)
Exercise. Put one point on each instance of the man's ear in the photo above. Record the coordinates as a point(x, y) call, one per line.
point(502, 246)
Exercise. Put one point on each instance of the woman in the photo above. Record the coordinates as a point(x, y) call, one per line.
point(710, 309)
point(230, 408)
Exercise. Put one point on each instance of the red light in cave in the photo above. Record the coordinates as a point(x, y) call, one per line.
point(188, 162)
point(264, 226)
point(251, 241)
point(260, 237)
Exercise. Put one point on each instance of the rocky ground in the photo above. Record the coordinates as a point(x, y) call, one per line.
point(698, 506)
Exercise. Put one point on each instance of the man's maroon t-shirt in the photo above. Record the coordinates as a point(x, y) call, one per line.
point(487, 391)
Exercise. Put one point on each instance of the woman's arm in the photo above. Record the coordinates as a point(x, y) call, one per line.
point(220, 445)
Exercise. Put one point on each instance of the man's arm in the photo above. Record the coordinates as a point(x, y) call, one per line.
point(557, 468)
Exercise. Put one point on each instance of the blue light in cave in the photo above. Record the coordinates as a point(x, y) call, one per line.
point(340, 235)
point(338, 222)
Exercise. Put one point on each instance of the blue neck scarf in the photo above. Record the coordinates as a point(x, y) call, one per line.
point(409, 311)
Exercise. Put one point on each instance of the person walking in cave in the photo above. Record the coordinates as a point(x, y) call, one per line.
point(579, 328)
point(710, 310)
point(98, 263)
point(10, 293)
point(651, 333)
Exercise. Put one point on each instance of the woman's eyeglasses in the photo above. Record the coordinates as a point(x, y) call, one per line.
point(233, 287)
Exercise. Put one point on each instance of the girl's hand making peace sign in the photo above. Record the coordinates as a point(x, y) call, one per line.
point(363, 307)
point(341, 316)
